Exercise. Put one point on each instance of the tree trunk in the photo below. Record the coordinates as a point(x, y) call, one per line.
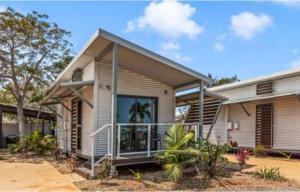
point(20, 115)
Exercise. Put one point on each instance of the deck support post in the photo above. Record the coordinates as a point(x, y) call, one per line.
point(201, 106)
point(149, 141)
point(1, 122)
point(119, 141)
point(114, 106)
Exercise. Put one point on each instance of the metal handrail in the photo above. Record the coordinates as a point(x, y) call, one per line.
point(93, 148)
point(99, 130)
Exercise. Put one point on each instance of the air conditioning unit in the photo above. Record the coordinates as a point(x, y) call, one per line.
point(229, 125)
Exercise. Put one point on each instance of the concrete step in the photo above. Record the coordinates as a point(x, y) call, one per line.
point(83, 172)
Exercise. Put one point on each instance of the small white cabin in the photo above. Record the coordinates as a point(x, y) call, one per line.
point(116, 100)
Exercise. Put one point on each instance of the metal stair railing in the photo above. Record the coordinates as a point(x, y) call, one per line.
point(93, 135)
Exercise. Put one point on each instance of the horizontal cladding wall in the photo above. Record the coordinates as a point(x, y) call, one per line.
point(287, 123)
point(245, 135)
point(286, 130)
point(218, 132)
point(281, 86)
point(87, 121)
point(130, 83)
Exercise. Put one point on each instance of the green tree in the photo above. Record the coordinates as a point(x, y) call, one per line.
point(223, 80)
point(32, 52)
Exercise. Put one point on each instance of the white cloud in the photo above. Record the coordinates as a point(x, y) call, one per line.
point(295, 64)
point(295, 51)
point(169, 18)
point(171, 49)
point(170, 46)
point(288, 3)
point(247, 24)
point(218, 46)
point(2, 8)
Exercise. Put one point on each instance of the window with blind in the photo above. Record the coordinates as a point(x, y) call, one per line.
point(264, 88)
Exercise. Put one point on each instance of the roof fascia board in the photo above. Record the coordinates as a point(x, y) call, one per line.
point(153, 55)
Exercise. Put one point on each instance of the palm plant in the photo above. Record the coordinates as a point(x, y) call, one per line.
point(178, 153)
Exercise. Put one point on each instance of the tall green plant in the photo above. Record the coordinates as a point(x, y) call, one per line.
point(211, 160)
point(178, 153)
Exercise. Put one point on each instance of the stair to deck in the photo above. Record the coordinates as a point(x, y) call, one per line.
point(83, 172)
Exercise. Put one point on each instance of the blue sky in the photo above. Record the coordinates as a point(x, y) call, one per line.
point(224, 38)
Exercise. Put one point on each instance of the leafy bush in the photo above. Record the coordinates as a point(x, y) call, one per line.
point(137, 175)
point(35, 142)
point(177, 154)
point(242, 156)
point(259, 150)
point(211, 158)
point(269, 174)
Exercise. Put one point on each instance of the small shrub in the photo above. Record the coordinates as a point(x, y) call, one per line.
point(286, 155)
point(36, 143)
point(242, 156)
point(269, 174)
point(259, 150)
point(1, 157)
point(177, 154)
point(211, 158)
point(233, 143)
point(137, 175)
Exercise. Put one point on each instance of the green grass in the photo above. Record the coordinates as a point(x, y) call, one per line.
point(269, 174)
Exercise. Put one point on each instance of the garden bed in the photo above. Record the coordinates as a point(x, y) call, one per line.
point(153, 177)
point(155, 180)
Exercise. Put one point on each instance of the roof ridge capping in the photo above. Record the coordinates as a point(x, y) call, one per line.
point(153, 55)
point(268, 77)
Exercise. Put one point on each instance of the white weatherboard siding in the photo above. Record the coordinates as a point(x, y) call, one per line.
point(88, 72)
point(287, 85)
point(87, 121)
point(286, 131)
point(217, 133)
point(130, 83)
point(287, 123)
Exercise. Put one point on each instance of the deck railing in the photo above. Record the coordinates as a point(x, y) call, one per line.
point(149, 139)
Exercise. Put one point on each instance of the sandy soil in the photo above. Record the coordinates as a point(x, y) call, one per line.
point(31, 173)
point(288, 168)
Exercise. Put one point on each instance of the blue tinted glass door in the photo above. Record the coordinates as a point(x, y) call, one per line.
point(135, 110)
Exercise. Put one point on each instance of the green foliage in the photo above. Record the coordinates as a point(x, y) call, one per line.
point(137, 175)
point(35, 142)
point(33, 51)
point(223, 80)
point(286, 155)
point(211, 160)
point(1, 157)
point(259, 150)
point(178, 153)
point(269, 174)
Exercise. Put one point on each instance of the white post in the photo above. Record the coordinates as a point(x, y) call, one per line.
point(201, 106)
point(108, 139)
point(149, 140)
point(93, 158)
point(119, 141)
point(114, 107)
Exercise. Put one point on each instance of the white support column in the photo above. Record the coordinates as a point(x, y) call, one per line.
point(119, 141)
point(201, 106)
point(149, 141)
point(95, 119)
point(226, 116)
point(114, 105)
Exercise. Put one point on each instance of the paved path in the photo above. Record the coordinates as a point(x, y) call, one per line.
point(33, 177)
point(288, 168)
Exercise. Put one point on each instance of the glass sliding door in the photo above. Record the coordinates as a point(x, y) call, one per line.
point(135, 110)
